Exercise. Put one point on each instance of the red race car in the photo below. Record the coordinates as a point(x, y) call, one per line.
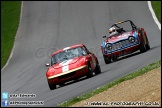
point(71, 63)
point(125, 37)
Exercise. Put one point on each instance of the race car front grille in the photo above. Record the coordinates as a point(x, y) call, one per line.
point(120, 44)
point(66, 75)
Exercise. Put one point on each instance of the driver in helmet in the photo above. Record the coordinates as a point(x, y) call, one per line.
point(112, 31)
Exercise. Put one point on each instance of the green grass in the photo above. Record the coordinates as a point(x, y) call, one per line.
point(103, 88)
point(10, 14)
point(157, 8)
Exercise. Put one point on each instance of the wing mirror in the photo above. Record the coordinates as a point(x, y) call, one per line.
point(47, 64)
point(104, 36)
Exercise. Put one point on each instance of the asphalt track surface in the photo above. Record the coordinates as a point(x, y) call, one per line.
point(50, 25)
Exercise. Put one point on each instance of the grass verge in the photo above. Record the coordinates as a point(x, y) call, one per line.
point(156, 5)
point(10, 14)
point(105, 87)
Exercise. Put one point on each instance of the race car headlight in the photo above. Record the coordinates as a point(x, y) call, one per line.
point(48, 74)
point(131, 39)
point(108, 46)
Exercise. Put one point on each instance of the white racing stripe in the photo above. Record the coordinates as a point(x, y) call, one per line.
point(65, 66)
point(65, 62)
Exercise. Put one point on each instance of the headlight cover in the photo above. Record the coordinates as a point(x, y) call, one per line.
point(132, 39)
point(108, 46)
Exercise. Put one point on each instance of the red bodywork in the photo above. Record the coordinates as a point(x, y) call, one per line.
point(71, 69)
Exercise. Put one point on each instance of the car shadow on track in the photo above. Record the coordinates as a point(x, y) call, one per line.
point(127, 56)
point(122, 58)
point(130, 55)
point(136, 53)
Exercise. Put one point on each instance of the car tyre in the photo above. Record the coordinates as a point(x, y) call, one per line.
point(52, 86)
point(107, 59)
point(143, 47)
point(90, 72)
point(98, 69)
point(114, 58)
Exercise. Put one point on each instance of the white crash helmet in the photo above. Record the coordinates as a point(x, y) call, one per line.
point(111, 30)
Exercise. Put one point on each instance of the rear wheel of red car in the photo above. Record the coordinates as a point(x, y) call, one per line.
point(90, 72)
point(98, 69)
point(52, 86)
point(107, 59)
point(143, 47)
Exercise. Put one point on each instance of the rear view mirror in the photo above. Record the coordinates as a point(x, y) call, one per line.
point(47, 64)
point(104, 36)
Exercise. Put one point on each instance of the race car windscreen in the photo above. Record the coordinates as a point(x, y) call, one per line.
point(126, 26)
point(67, 54)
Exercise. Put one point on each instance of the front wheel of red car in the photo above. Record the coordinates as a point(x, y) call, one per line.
point(90, 72)
point(51, 86)
point(98, 69)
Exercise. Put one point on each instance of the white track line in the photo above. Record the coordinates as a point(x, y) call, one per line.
point(149, 5)
point(11, 54)
point(153, 15)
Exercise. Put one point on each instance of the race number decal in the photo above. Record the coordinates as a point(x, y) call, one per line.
point(65, 68)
